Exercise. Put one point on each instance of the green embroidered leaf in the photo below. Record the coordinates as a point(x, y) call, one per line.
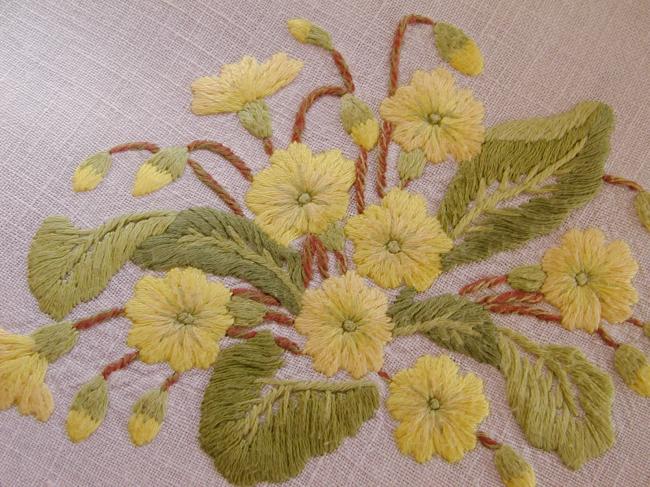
point(451, 321)
point(68, 265)
point(226, 245)
point(258, 429)
point(642, 205)
point(555, 164)
point(562, 401)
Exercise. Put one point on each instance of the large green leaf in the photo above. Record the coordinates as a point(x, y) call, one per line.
point(68, 265)
point(528, 177)
point(226, 245)
point(562, 401)
point(451, 321)
point(259, 429)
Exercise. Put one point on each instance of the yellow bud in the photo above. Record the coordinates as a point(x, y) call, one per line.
point(299, 29)
point(148, 414)
point(359, 121)
point(460, 51)
point(88, 409)
point(513, 469)
point(91, 172)
point(365, 134)
point(632, 365)
point(160, 170)
point(80, 425)
point(306, 32)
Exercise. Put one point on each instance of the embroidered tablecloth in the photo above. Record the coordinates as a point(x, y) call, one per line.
point(81, 76)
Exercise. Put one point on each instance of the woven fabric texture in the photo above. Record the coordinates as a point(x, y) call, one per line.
point(81, 76)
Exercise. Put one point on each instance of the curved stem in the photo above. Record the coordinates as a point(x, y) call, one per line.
point(619, 181)
point(148, 146)
point(226, 153)
point(606, 338)
point(344, 71)
point(306, 104)
point(91, 321)
point(219, 190)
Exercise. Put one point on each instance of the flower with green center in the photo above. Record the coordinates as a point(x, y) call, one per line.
point(301, 192)
point(346, 325)
point(179, 318)
point(431, 114)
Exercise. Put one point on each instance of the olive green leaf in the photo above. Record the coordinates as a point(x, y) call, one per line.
point(529, 176)
point(259, 429)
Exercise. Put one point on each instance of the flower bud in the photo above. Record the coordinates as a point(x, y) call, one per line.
point(333, 238)
point(642, 205)
point(632, 365)
point(159, 170)
point(88, 409)
point(410, 165)
point(359, 121)
point(54, 341)
point(147, 417)
point(246, 312)
point(513, 469)
point(529, 278)
point(307, 33)
point(256, 118)
point(91, 172)
point(456, 48)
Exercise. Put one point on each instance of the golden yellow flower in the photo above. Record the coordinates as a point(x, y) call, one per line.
point(437, 408)
point(398, 242)
point(22, 376)
point(301, 192)
point(241, 83)
point(179, 318)
point(433, 115)
point(346, 325)
point(588, 280)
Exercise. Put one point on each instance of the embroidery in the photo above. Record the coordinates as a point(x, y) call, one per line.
point(301, 192)
point(437, 408)
point(398, 242)
point(178, 319)
point(346, 326)
point(588, 280)
point(642, 205)
point(432, 115)
point(514, 182)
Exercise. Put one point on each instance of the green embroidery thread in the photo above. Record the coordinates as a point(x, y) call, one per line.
point(527, 278)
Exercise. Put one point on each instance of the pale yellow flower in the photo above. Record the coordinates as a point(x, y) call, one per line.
point(179, 318)
point(437, 408)
point(398, 242)
point(241, 83)
point(433, 115)
point(22, 376)
point(588, 280)
point(346, 325)
point(301, 192)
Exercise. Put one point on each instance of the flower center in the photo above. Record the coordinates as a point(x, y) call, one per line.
point(349, 325)
point(582, 278)
point(304, 198)
point(433, 404)
point(434, 119)
point(393, 246)
point(185, 318)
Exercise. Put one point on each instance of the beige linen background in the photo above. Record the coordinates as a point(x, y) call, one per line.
point(81, 76)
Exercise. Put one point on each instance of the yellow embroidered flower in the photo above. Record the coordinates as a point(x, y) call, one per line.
point(438, 409)
point(179, 318)
point(301, 192)
point(241, 83)
point(346, 325)
point(588, 280)
point(22, 376)
point(398, 242)
point(433, 115)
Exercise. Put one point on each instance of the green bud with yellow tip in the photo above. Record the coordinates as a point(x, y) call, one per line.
point(306, 32)
point(457, 49)
point(359, 122)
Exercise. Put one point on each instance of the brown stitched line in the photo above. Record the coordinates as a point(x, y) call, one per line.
point(524, 310)
point(342, 262)
point(360, 179)
point(268, 146)
point(344, 70)
point(387, 128)
point(153, 148)
point(635, 322)
point(619, 181)
point(322, 261)
point(306, 104)
point(255, 295)
point(607, 339)
point(282, 342)
point(307, 261)
point(211, 183)
point(91, 321)
point(170, 381)
point(226, 153)
point(515, 296)
point(119, 364)
point(288, 345)
point(240, 332)
point(487, 442)
point(484, 283)
point(384, 375)
point(279, 318)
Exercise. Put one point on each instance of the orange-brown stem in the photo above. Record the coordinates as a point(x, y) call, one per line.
point(307, 261)
point(607, 339)
point(219, 190)
point(279, 318)
point(240, 332)
point(524, 310)
point(515, 296)
point(619, 181)
point(268, 146)
point(148, 146)
point(382, 158)
point(341, 260)
point(91, 321)
point(255, 295)
point(484, 283)
point(344, 71)
point(384, 375)
point(306, 104)
point(119, 364)
point(282, 342)
point(170, 381)
point(322, 260)
point(360, 180)
point(225, 152)
point(635, 322)
point(488, 442)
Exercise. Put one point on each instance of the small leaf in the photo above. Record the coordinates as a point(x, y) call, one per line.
point(451, 321)
point(68, 265)
point(258, 429)
point(562, 401)
point(333, 238)
point(223, 244)
point(410, 165)
point(555, 163)
point(642, 205)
